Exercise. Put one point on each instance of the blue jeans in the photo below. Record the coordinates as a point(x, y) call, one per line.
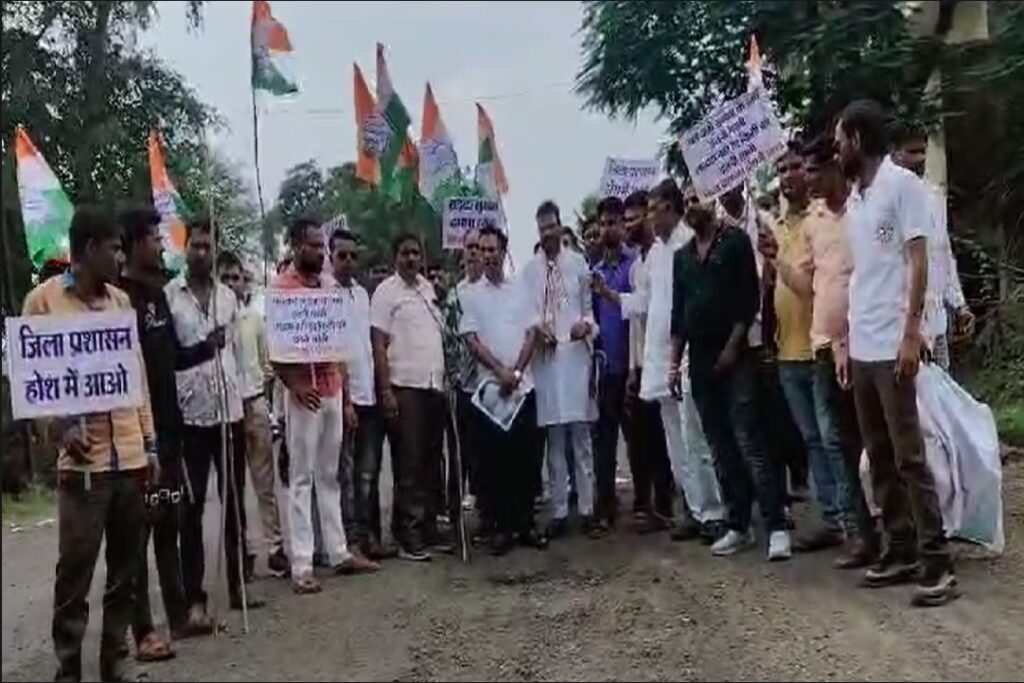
point(727, 404)
point(824, 445)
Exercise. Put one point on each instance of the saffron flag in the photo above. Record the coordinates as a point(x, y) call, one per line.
point(45, 209)
point(369, 140)
point(168, 204)
point(440, 176)
point(271, 52)
point(755, 77)
point(490, 174)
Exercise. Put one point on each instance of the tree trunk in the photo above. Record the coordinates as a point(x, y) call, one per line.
point(94, 39)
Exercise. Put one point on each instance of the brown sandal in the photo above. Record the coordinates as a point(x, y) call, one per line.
point(356, 564)
point(153, 648)
point(306, 585)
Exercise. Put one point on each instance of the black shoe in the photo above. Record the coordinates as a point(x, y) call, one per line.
point(937, 587)
point(891, 571)
point(501, 544)
point(278, 564)
point(533, 539)
point(687, 530)
point(558, 528)
point(711, 532)
point(377, 551)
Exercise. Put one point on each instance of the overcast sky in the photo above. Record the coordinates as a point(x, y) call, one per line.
point(518, 59)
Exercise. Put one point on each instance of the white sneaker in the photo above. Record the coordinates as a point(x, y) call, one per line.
point(779, 546)
point(730, 544)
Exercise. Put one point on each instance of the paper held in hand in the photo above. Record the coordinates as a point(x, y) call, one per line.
point(731, 142)
point(462, 214)
point(305, 325)
point(501, 410)
point(623, 177)
point(74, 364)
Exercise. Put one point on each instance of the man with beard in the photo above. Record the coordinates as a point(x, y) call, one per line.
point(716, 295)
point(106, 461)
point(209, 395)
point(408, 353)
point(944, 290)
point(888, 218)
point(557, 286)
point(144, 281)
point(318, 409)
point(495, 325)
point(611, 271)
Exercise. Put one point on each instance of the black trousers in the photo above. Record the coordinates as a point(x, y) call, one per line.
point(202, 449)
point(648, 460)
point(164, 506)
point(112, 507)
point(785, 444)
point(507, 469)
point(367, 459)
point(611, 397)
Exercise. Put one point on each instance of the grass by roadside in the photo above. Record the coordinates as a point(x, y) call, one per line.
point(34, 504)
point(1010, 421)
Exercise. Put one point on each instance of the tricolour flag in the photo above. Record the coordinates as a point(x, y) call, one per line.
point(168, 204)
point(271, 52)
point(394, 113)
point(440, 176)
point(755, 65)
point(45, 209)
point(490, 174)
point(368, 140)
point(405, 182)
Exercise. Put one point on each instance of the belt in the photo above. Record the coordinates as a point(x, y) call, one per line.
point(77, 478)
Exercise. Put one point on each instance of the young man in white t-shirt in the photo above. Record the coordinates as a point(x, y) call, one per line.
point(888, 217)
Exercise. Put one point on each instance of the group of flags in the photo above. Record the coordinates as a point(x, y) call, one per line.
point(387, 157)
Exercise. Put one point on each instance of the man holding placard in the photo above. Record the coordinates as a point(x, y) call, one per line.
point(318, 407)
point(106, 460)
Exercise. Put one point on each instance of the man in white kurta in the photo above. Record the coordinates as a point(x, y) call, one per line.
point(688, 450)
point(557, 286)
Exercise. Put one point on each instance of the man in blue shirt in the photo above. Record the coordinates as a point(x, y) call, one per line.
point(613, 344)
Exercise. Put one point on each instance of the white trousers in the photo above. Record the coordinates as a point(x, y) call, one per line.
point(692, 463)
point(314, 448)
point(558, 468)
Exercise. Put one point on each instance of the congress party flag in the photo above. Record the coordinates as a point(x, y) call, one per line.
point(271, 52)
point(168, 204)
point(440, 177)
point(393, 113)
point(45, 209)
point(369, 140)
point(490, 174)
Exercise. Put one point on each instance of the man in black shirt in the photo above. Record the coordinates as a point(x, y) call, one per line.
point(144, 281)
point(715, 296)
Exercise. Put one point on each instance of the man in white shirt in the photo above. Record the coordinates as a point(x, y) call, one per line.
point(209, 395)
point(889, 218)
point(365, 449)
point(944, 289)
point(496, 327)
point(255, 371)
point(557, 289)
point(406, 331)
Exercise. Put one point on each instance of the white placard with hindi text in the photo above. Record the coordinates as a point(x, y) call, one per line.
point(69, 365)
point(623, 177)
point(731, 142)
point(462, 214)
point(305, 325)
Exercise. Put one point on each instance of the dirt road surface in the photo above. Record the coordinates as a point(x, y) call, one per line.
point(622, 608)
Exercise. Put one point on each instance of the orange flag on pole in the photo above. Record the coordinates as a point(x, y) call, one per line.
point(490, 173)
point(367, 166)
point(168, 204)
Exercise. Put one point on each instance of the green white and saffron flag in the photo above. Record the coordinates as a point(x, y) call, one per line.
point(393, 112)
point(440, 176)
point(45, 209)
point(271, 52)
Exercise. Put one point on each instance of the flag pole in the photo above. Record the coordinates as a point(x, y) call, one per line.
point(259, 185)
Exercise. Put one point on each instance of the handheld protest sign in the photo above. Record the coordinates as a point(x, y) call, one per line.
point(623, 177)
point(462, 214)
point(74, 364)
point(305, 325)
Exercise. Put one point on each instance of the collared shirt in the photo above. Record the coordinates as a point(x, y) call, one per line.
point(497, 315)
point(327, 376)
point(408, 314)
point(793, 313)
point(124, 438)
point(358, 349)
point(614, 338)
point(713, 294)
point(825, 255)
point(881, 220)
point(254, 358)
point(204, 391)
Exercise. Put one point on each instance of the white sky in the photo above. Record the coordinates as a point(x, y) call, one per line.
point(519, 59)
